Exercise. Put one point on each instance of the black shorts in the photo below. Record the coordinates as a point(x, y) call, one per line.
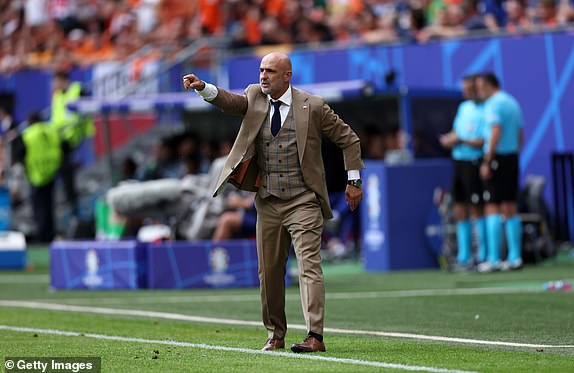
point(503, 185)
point(467, 185)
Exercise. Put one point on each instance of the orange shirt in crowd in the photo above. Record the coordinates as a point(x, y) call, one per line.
point(171, 9)
point(274, 7)
point(211, 17)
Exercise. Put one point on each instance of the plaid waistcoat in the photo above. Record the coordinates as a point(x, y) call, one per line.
point(278, 160)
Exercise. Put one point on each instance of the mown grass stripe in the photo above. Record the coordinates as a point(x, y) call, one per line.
point(213, 320)
point(235, 349)
point(24, 278)
point(227, 298)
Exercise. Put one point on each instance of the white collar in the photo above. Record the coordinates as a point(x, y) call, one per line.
point(286, 98)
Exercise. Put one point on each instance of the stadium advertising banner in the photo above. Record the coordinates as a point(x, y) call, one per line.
point(97, 265)
point(397, 201)
point(202, 264)
point(163, 265)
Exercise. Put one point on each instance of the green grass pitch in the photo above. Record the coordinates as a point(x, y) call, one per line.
point(499, 322)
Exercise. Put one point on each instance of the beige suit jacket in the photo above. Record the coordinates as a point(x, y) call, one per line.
point(313, 118)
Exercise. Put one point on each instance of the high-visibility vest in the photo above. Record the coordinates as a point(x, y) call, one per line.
point(71, 126)
point(43, 153)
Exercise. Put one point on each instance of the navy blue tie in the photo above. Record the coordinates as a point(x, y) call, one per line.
point(276, 118)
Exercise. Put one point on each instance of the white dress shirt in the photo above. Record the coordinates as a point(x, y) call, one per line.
point(210, 92)
point(286, 101)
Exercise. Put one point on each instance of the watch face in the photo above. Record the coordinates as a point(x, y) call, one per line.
point(356, 183)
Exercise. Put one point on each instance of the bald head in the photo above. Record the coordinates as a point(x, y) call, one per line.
point(275, 74)
point(278, 58)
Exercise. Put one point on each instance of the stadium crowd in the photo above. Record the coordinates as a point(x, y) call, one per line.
point(57, 33)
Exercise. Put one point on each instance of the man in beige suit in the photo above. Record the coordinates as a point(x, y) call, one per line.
point(277, 154)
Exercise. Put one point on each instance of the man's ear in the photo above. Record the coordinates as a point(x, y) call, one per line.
point(287, 75)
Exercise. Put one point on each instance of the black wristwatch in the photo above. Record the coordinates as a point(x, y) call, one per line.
point(357, 183)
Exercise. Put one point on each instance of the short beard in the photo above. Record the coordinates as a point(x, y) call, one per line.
point(266, 91)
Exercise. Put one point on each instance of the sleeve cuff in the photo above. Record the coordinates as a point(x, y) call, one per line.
point(353, 174)
point(208, 93)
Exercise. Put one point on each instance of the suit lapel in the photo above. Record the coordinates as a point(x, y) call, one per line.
point(301, 117)
point(254, 118)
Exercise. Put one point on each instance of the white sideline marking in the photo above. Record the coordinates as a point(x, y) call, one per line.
point(296, 297)
point(235, 349)
point(213, 320)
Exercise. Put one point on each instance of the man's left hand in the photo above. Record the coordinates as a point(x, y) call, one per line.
point(353, 195)
point(485, 171)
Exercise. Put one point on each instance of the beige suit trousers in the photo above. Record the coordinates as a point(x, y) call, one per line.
point(280, 222)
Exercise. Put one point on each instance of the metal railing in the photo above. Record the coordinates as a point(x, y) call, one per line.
point(117, 84)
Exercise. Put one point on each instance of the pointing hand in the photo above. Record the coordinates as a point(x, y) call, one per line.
point(190, 81)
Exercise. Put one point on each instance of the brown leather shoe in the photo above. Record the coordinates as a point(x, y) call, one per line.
point(273, 344)
point(310, 344)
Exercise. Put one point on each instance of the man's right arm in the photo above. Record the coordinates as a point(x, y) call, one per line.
point(493, 141)
point(493, 120)
point(227, 102)
point(209, 93)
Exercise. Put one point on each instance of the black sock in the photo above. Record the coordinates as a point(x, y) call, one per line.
point(318, 337)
